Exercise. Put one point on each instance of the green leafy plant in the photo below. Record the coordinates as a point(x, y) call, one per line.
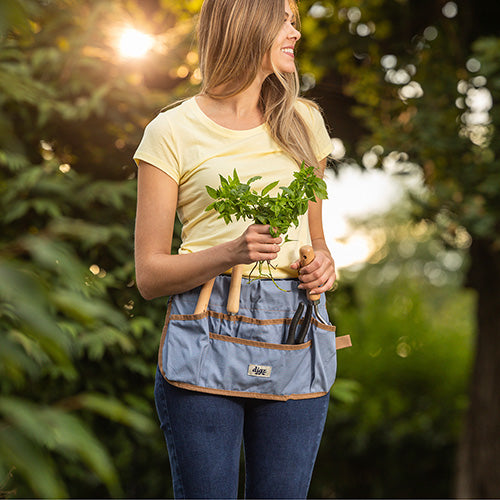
point(236, 199)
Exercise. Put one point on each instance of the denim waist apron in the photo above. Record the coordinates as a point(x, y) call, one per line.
point(246, 354)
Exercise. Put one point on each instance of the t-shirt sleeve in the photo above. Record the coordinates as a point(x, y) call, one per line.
point(321, 142)
point(157, 147)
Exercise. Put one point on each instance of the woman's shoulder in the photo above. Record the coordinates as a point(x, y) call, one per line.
point(174, 113)
point(308, 109)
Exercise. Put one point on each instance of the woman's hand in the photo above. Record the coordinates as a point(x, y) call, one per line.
point(318, 276)
point(256, 244)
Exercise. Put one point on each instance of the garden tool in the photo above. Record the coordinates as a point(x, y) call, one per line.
point(306, 257)
point(204, 297)
point(233, 300)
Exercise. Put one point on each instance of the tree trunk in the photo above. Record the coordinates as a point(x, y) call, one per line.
point(478, 463)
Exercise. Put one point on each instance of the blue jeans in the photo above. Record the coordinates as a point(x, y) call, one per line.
point(204, 434)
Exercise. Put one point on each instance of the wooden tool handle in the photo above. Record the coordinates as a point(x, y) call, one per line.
point(233, 300)
point(306, 257)
point(204, 297)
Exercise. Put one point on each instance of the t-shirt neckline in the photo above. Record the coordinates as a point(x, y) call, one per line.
point(227, 131)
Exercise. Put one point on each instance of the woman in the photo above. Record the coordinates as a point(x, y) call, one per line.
point(247, 116)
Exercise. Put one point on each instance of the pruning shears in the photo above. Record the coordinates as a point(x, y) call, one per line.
point(306, 257)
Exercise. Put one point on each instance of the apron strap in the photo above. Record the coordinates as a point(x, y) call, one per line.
point(343, 341)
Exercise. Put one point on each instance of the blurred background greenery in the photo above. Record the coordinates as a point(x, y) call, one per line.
point(409, 88)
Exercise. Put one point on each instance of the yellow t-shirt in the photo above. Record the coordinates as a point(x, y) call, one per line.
point(193, 150)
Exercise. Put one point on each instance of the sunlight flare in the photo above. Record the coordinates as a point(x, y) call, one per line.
point(134, 43)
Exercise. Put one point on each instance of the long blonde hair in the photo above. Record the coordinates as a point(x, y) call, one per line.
point(233, 38)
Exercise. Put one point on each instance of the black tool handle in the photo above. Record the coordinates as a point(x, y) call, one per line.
point(305, 324)
point(293, 325)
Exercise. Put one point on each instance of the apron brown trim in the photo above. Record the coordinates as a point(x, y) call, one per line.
point(243, 394)
point(246, 319)
point(342, 342)
point(163, 335)
point(264, 345)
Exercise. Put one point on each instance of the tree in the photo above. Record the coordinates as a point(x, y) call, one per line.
point(77, 344)
point(420, 83)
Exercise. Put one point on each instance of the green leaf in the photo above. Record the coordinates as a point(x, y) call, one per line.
point(13, 15)
point(213, 193)
point(253, 179)
point(26, 294)
point(59, 431)
point(115, 410)
point(269, 187)
point(223, 181)
point(346, 391)
point(32, 462)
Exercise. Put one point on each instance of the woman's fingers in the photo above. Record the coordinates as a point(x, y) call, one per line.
point(258, 244)
point(325, 287)
point(261, 233)
point(318, 276)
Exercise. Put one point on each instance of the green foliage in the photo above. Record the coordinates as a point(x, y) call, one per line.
point(396, 433)
point(63, 316)
point(407, 115)
point(237, 199)
point(12, 14)
point(77, 342)
point(51, 429)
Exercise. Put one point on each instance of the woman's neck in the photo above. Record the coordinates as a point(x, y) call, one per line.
point(241, 111)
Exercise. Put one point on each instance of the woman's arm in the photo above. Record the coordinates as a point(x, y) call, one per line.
point(319, 276)
point(158, 272)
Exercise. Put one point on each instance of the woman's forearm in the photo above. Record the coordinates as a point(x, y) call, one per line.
point(164, 274)
point(158, 273)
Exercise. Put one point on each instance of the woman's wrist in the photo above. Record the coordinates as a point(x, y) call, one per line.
point(319, 245)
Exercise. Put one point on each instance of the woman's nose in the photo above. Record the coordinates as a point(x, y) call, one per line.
point(294, 33)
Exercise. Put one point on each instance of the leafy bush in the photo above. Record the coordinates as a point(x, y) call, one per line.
point(77, 343)
point(396, 434)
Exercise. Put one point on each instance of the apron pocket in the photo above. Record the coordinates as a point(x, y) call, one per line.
point(182, 346)
point(324, 356)
point(242, 356)
point(252, 367)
